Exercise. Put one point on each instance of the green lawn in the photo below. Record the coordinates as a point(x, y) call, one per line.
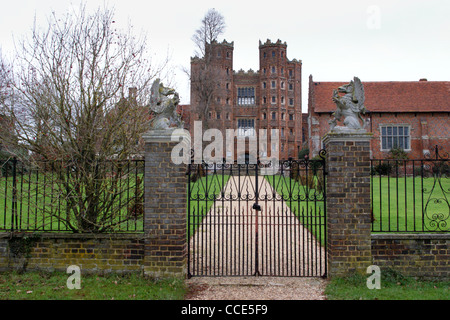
point(305, 203)
point(203, 193)
point(399, 206)
point(53, 286)
point(393, 286)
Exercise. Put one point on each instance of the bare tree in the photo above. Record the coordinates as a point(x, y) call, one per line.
point(6, 124)
point(205, 77)
point(72, 79)
point(212, 26)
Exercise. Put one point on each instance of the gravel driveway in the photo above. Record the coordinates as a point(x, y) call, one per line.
point(225, 244)
point(256, 288)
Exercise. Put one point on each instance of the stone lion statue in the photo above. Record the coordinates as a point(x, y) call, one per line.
point(164, 102)
point(350, 106)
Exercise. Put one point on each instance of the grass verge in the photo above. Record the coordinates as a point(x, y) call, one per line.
point(394, 286)
point(53, 286)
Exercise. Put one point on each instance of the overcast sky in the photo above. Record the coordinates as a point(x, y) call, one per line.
point(376, 40)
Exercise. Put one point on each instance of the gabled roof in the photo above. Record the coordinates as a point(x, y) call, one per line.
point(390, 96)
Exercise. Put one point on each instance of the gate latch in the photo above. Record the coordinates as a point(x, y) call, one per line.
point(256, 207)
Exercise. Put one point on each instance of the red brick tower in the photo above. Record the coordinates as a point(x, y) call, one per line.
point(281, 108)
point(249, 100)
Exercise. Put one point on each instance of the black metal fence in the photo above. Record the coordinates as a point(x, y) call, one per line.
point(411, 195)
point(52, 196)
point(245, 219)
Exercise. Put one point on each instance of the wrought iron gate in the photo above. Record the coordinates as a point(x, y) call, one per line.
point(244, 222)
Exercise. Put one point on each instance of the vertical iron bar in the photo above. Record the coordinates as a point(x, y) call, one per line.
point(396, 198)
point(52, 169)
point(222, 195)
point(14, 195)
point(256, 222)
point(372, 195)
point(189, 221)
point(28, 197)
point(21, 195)
point(6, 193)
point(38, 189)
point(422, 191)
point(389, 197)
point(406, 197)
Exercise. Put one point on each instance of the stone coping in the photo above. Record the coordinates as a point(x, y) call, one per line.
point(169, 135)
point(347, 136)
point(411, 236)
point(74, 236)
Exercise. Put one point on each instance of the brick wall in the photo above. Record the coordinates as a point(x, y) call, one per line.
point(424, 256)
point(52, 251)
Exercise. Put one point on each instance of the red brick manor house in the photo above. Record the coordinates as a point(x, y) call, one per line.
point(412, 115)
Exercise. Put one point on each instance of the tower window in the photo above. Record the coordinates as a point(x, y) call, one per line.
point(246, 127)
point(246, 96)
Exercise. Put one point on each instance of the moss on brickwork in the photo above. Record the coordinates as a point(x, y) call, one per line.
point(58, 251)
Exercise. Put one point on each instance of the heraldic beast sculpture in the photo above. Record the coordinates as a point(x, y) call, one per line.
point(164, 107)
point(350, 106)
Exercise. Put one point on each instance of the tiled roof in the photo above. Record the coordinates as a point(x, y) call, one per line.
point(392, 96)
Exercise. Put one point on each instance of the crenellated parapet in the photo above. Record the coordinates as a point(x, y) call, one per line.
point(269, 43)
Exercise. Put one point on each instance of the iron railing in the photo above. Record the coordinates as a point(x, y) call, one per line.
point(411, 195)
point(49, 196)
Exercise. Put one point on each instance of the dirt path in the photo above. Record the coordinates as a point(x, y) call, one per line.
point(235, 240)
